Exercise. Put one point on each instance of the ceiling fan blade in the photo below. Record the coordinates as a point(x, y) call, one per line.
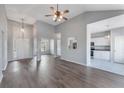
point(48, 15)
point(65, 18)
point(52, 8)
point(66, 11)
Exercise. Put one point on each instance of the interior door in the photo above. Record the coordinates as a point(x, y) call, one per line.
point(21, 49)
point(119, 49)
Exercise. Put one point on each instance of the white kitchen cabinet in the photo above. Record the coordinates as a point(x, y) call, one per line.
point(104, 55)
point(101, 41)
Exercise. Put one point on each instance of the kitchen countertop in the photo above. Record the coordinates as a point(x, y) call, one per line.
point(101, 50)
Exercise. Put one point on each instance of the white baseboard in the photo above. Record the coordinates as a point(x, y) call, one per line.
point(116, 70)
point(73, 62)
point(1, 76)
point(4, 68)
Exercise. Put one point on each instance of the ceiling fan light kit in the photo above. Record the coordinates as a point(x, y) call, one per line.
point(57, 14)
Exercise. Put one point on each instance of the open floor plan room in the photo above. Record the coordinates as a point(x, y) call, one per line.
point(61, 46)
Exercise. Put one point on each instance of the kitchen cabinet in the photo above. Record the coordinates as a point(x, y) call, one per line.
point(101, 41)
point(104, 55)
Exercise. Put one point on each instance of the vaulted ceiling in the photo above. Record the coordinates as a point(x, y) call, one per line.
point(34, 12)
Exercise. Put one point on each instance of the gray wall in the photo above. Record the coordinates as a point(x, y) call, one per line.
point(76, 27)
point(3, 29)
point(40, 30)
point(73, 28)
point(95, 16)
point(43, 30)
point(15, 33)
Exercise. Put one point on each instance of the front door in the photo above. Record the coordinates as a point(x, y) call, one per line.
point(21, 49)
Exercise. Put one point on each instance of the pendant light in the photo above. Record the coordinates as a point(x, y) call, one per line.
point(22, 25)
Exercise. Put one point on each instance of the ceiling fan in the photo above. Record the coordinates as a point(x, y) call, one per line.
point(57, 14)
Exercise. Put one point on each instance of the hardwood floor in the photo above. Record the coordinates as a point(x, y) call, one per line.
point(52, 72)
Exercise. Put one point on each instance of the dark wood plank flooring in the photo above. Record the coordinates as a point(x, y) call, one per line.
point(50, 73)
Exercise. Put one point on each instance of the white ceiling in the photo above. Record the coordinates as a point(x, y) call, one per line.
point(33, 12)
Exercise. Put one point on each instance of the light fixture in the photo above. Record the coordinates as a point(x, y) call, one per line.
point(54, 18)
point(22, 25)
point(59, 19)
point(57, 14)
point(107, 37)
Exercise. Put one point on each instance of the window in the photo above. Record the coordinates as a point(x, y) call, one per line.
point(44, 45)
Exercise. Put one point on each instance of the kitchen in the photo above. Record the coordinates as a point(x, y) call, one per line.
point(100, 46)
point(105, 41)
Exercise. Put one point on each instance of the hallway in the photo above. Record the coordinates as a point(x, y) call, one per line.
point(52, 72)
